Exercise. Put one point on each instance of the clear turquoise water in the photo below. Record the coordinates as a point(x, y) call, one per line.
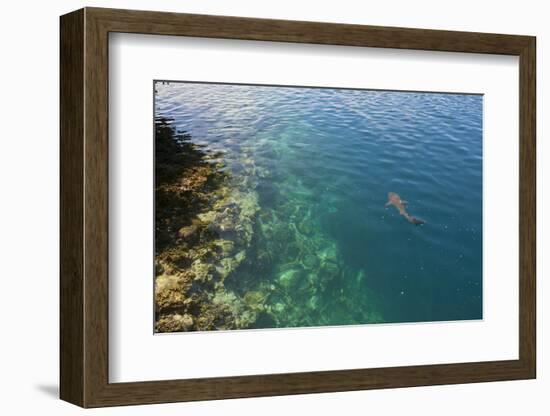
point(322, 162)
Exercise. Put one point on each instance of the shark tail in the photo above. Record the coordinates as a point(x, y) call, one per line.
point(414, 220)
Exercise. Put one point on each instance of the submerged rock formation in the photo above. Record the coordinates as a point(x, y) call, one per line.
point(203, 228)
point(223, 263)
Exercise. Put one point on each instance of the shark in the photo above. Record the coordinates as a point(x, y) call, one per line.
point(395, 200)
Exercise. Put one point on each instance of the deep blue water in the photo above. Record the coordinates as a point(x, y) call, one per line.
point(321, 163)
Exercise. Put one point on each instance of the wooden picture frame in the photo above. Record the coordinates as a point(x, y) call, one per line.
point(84, 207)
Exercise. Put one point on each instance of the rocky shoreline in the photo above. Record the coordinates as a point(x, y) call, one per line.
point(203, 229)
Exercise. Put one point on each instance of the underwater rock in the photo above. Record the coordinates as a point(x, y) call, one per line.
point(202, 271)
point(310, 261)
point(196, 178)
point(288, 277)
point(313, 280)
point(231, 312)
point(170, 291)
point(226, 247)
point(222, 226)
point(193, 260)
point(186, 321)
point(305, 227)
point(224, 267)
point(329, 254)
point(188, 231)
point(281, 232)
point(278, 308)
point(240, 256)
point(250, 182)
point(224, 298)
point(263, 259)
point(328, 272)
point(159, 268)
point(313, 303)
point(174, 323)
point(207, 217)
point(291, 250)
point(255, 300)
point(249, 204)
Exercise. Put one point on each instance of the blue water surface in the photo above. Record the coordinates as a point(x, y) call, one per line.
point(322, 162)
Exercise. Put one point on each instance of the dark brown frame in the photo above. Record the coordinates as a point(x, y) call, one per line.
point(84, 208)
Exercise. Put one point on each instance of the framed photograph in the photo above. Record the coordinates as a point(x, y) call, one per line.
point(255, 207)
